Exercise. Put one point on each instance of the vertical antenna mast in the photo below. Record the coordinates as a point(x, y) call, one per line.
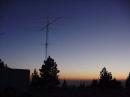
point(46, 43)
point(46, 27)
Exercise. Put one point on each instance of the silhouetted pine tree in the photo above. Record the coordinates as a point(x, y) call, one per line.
point(35, 79)
point(127, 84)
point(49, 73)
point(105, 78)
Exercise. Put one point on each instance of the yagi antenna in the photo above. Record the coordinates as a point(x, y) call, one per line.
point(46, 27)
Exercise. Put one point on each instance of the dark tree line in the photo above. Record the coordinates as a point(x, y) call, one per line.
point(49, 77)
point(48, 80)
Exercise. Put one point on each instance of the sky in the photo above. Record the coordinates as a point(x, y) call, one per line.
point(91, 34)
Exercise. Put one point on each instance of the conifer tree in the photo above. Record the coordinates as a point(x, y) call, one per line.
point(35, 78)
point(49, 73)
point(105, 78)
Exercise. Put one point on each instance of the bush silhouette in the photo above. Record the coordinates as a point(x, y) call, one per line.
point(35, 79)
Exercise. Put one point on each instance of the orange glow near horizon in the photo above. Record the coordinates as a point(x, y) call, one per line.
point(89, 76)
point(120, 75)
point(78, 76)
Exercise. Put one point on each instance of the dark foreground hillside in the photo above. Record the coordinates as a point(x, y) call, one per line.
point(70, 92)
point(84, 92)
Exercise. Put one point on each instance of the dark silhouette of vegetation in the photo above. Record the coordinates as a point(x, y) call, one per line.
point(49, 73)
point(35, 79)
point(47, 85)
point(128, 82)
point(115, 84)
point(105, 78)
point(2, 65)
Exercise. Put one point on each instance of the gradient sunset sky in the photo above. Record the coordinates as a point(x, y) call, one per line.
point(91, 35)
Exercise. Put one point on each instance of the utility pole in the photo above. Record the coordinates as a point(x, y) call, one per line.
point(46, 27)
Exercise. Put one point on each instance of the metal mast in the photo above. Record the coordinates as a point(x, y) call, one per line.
point(46, 42)
point(46, 27)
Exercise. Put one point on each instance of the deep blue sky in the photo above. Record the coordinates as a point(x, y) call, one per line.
point(92, 34)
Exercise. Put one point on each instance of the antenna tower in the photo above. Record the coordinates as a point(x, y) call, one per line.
point(46, 27)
